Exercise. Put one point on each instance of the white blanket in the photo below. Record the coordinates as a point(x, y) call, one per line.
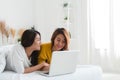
point(83, 72)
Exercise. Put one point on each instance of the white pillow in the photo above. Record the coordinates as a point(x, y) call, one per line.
point(2, 62)
point(4, 51)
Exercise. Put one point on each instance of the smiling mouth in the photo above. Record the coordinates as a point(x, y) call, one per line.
point(59, 47)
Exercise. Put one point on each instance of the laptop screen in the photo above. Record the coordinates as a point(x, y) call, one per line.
point(63, 62)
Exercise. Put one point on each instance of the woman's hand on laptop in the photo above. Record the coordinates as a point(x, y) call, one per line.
point(45, 66)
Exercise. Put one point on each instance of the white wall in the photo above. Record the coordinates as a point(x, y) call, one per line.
point(47, 15)
point(17, 13)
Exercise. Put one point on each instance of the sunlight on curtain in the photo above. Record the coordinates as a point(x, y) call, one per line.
point(100, 23)
point(104, 24)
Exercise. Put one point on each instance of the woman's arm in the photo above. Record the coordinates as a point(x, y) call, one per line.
point(35, 68)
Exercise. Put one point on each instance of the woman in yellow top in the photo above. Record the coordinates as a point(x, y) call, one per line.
point(59, 42)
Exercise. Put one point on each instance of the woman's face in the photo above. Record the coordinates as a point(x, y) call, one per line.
point(59, 42)
point(37, 42)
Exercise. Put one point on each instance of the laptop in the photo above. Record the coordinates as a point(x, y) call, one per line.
point(62, 62)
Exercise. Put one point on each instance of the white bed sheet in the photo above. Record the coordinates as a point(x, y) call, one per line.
point(83, 72)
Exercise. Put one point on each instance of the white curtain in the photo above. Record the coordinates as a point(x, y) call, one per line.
point(104, 32)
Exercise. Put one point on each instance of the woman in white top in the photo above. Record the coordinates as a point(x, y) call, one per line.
point(18, 58)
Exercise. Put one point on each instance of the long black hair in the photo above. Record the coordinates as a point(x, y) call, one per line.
point(27, 40)
point(34, 58)
point(28, 37)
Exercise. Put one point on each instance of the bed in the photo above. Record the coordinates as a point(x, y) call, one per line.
point(83, 72)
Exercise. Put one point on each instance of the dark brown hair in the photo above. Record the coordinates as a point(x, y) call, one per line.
point(64, 32)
